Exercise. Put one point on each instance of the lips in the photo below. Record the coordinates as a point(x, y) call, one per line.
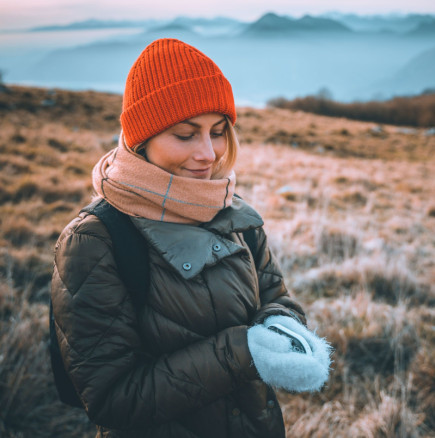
point(200, 172)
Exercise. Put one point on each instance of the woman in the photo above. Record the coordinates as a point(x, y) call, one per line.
point(187, 362)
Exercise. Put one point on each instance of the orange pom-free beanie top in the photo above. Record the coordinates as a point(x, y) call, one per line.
point(171, 81)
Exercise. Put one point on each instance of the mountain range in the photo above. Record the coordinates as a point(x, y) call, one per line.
point(271, 24)
point(355, 58)
point(392, 23)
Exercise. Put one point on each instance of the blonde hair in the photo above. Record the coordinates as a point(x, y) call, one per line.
point(228, 160)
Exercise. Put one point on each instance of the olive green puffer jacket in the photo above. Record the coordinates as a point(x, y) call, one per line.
point(179, 367)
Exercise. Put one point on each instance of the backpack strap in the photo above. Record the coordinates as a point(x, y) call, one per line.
point(65, 388)
point(129, 248)
point(251, 240)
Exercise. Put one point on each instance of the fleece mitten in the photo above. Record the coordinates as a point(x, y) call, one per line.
point(278, 365)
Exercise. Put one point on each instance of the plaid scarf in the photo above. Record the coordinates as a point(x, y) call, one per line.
point(138, 188)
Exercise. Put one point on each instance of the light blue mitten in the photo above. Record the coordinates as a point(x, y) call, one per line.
point(279, 366)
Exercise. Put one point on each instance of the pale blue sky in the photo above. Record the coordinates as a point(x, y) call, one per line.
point(29, 13)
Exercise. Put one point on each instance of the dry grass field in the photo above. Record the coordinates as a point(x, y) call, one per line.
point(350, 212)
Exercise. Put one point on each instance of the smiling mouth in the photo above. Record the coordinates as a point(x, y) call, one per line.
point(199, 171)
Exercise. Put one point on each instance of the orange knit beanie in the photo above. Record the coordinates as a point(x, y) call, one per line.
point(171, 81)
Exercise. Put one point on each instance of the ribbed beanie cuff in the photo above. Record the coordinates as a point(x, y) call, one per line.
point(171, 82)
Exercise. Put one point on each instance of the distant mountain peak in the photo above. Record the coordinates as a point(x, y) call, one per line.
point(270, 19)
point(271, 23)
point(270, 15)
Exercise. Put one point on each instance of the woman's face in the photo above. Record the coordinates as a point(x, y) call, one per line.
point(191, 148)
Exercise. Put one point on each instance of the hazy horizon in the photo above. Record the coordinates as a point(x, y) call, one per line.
point(353, 58)
point(61, 12)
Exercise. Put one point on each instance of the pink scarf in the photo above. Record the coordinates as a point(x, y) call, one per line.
point(139, 188)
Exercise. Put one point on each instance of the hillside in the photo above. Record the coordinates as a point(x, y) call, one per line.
point(350, 212)
point(273, 56)
point(419, 72)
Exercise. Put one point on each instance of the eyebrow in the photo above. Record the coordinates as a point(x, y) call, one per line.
point(197, 125)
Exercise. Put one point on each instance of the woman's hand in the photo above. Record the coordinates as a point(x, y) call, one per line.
point(280, 366)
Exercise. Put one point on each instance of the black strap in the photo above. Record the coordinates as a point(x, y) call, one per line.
point(129, 248)
point(251, 240)
point(64, 386)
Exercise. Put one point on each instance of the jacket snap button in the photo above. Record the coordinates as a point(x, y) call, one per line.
point(216, 247)
point(270, 404)
point(236, 412)
point(187, 266)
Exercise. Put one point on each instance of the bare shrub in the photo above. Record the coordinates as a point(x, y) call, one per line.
point(5, 195)
point(349, 320)
point(350, 198)
point(337, 244)
point(282, 137)
point(75, 170)
point(29, 406)
point(18, 138)
point(25, 190)
point(388, 418)
point(48, 189)
point(58, 145)
point(18, 231)
point(409, 111)
point(422, 393)
point(50, 195)
point(376, 351)
point(386, 280)
point(382, 354)
point(330, 419)
point(27, 267)
point(14, 165)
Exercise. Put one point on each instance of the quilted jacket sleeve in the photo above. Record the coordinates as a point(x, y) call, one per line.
point(120, 386)
point(275, 299)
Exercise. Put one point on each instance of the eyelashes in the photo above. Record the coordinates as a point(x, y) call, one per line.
point(184, 138)
point(189, 137)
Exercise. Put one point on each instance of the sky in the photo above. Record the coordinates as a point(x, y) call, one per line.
point(20, 14)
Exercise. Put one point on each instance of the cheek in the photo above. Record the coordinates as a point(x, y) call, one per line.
point(166, 155)
point(220, 147)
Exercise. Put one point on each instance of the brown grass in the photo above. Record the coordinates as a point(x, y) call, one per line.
point(349, 212)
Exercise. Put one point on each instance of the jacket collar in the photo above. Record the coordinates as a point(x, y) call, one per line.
point(188, 248)
point(237, 218)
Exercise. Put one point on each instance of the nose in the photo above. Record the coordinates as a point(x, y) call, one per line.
point(205, 151)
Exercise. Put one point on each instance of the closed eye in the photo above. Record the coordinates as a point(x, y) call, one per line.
point(184, 137)
point(189, 137)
